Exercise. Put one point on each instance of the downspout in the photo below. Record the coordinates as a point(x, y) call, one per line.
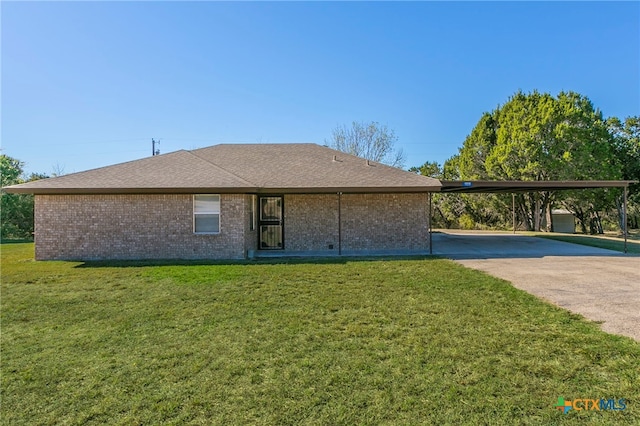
point(430, 225)
point(339, 223)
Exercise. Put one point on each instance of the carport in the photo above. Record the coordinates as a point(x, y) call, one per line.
point(514, 187)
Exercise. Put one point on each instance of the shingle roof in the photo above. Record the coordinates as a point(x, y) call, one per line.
point(239, 168)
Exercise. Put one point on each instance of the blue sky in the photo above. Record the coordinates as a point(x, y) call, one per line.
point(88, 84)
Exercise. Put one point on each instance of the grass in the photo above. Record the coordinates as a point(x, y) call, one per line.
point(413, 341)
point(617, 244)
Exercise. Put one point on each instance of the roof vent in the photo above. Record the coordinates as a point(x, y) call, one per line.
point(368, 163)
point(335, 158)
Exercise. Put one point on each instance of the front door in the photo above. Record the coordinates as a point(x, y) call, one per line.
point(270, 223)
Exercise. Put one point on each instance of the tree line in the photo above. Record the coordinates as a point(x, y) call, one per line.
point(537, 137)
point(16, 210)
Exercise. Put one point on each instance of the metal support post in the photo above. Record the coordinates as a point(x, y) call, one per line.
point(624, 219)
point(513, 210)
point(430, 225)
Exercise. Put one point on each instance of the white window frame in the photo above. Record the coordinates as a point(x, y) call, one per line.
point(207, 212)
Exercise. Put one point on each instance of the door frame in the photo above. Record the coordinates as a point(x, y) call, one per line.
point(261, 222)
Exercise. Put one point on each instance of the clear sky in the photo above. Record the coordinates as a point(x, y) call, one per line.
point(88, 84)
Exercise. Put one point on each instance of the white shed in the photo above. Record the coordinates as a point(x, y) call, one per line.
point(563, 221)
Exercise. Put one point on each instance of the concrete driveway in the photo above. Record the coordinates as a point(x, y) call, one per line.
point(602, 285)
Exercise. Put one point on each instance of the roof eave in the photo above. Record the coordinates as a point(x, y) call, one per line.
point(352, 190)
point(218, 190)
point(95, 191)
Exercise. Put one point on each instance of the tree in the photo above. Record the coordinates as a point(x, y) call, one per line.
point(372, 141)
point(10, 170)
point(626, 136)
point(477, 146)
point(584, 149)
point(16, 210)
point(430, 169)
point(537, 136)
point(448, 208)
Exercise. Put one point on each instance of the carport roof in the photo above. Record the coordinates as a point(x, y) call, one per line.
point(509, 186)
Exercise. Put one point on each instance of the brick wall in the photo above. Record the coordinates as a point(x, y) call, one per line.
point(369, 222)
point(84, 227)
point(385, 222)
point(311, 222)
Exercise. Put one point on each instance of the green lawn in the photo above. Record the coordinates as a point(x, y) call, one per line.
point(633, 246)
point(417, 341)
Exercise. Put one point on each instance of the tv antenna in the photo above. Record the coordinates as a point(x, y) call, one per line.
point(154, 150)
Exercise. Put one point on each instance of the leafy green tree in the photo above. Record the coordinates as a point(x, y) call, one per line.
point(451, 168)
point(472, 158)
point(585, 149)
point(430, 169)
point(535, 136)
point(626, 145)
point(10, 170)
point(372, 141)
point(16, 210)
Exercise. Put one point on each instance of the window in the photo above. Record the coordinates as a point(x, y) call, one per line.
point(206, 214)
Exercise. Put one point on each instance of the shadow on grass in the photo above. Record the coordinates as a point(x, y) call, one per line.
point(337, 260)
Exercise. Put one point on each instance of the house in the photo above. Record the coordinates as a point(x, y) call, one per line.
point(232, 201)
